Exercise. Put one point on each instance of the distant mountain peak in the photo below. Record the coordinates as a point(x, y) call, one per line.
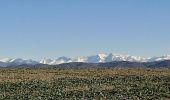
point(98, 58)
point(5, 60)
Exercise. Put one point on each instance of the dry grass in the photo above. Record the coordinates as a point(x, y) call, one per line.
point(47, 74)
point(84, 83)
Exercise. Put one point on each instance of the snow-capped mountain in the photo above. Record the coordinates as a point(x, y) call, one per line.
point(91, 59)
point(118, 57)
point(99, 58)
point(102, 58)
point(162, 58)
point(60, 60)
point(14, 62)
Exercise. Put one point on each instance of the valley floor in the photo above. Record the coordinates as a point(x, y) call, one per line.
point(84, 83)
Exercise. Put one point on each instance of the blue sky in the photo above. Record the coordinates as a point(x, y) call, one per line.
point(41, 29)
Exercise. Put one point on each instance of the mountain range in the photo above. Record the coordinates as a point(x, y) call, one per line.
point(102, 59)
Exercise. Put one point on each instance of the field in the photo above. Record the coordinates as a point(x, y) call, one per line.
point(84, 84)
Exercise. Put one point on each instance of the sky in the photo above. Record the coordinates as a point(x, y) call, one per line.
point(41, 29)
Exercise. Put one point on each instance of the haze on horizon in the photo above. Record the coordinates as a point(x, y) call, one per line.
point(50, 29)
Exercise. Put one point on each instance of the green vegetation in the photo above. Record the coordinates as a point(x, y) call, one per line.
point(84, 84)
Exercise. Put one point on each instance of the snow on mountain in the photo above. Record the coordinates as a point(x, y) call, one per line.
point(6, 60)
point(79, 59)
point(91, 59)
point(119, 57)
point(99, 58)
point(162, 58)
point(60, 60)
point(18, 61)
point(46, 61)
